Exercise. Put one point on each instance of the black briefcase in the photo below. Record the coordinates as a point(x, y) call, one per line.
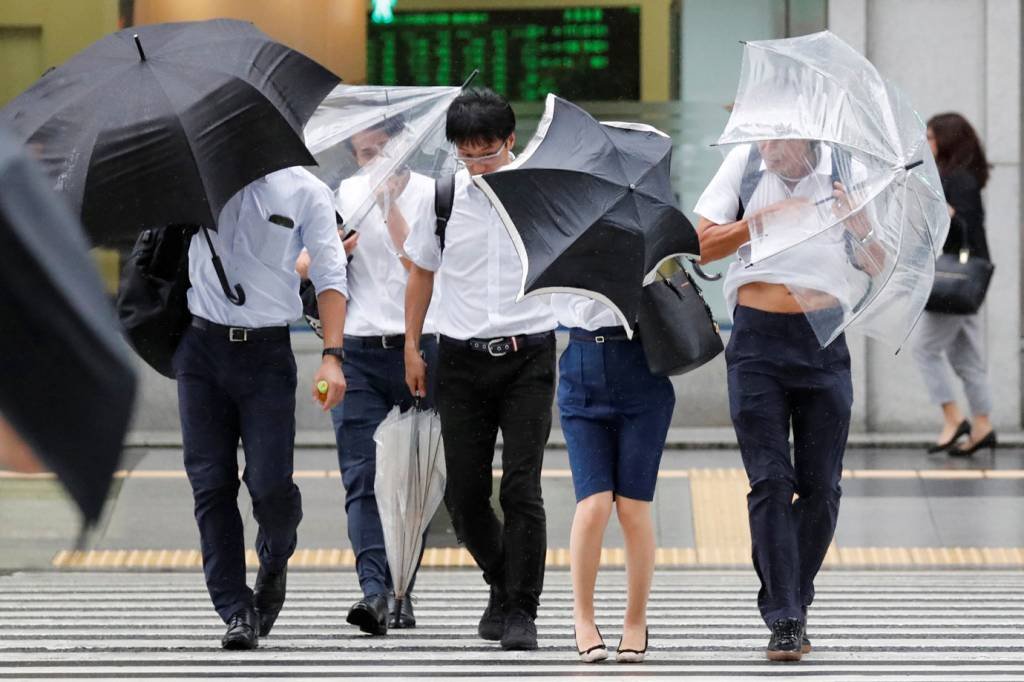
point(152, 299)
point(677, 329)
point(961, 282)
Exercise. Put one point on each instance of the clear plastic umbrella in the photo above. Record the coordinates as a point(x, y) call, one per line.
point(409, 485)
point(849, 200)
point(403, 129)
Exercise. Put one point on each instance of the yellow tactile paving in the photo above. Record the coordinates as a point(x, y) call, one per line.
point(666, 557)
point(720, 529)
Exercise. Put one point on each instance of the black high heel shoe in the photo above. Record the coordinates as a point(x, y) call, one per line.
point(963, 430)
point(989, 441)
point(594, 654)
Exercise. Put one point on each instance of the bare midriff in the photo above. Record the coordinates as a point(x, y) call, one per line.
point(777, 298)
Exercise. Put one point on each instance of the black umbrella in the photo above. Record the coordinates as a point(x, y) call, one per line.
point(66, 382)
point(162, 124)
point(590, 207)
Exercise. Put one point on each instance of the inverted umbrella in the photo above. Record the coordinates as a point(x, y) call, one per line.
point(590, 208)
point(162, 124)
point(409, 142)
point(409, 486)
point(66, 381)
point(811, 112)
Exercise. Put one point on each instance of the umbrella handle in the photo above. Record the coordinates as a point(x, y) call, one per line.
point(238, 295)
point(703, 275)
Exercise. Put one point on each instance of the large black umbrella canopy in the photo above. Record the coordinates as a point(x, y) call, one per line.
point(162, 124)
point(66, 381)
point(590, 207)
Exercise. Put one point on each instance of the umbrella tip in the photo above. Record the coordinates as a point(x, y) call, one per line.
point(472, 76)
point(138, 46)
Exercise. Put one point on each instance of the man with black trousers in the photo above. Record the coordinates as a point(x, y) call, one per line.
point(496, 370)
point(237, 379)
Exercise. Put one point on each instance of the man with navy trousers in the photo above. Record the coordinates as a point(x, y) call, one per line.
point(237, 380)
point(374, 363)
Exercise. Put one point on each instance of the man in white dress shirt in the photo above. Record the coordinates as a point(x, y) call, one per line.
point(779, 376)
point(374, 341)
point(237, 379)
point(496, 370)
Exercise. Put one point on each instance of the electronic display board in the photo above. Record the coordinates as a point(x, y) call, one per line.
point(582, 53)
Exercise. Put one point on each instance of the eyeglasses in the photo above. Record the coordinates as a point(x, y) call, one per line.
point(485, 157)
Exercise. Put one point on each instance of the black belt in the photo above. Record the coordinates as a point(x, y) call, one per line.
point(385, 342)
point(602, 335)
point(241, 334)
point(503, 345)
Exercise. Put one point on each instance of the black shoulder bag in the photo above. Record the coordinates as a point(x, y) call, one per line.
point(961, 281)
point(677, 329)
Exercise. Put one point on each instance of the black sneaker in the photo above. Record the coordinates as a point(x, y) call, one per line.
point(492, 622)
point(520, 632)
point(786, 643)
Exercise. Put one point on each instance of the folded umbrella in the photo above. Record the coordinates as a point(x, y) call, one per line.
point(67, 383)
point(162, 124)
point(409, 486)
point(590, 208)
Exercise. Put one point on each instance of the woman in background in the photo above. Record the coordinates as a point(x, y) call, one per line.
point(958, 341)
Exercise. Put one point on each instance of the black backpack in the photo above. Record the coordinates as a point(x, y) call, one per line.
point(444, 199)
point(151, 299)
point(752, 173)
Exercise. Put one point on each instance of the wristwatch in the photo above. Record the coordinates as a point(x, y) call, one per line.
point(336, 351)
point(866, 238)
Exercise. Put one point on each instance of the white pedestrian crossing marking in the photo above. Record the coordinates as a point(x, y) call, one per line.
point(928, 625)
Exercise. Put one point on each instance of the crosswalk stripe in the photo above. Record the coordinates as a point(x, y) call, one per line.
point(906, 625)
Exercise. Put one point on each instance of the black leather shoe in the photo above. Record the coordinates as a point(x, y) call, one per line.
point(268, 597)
point(963, 430)
point(370, 614)
point(786, 643)
point(520, 632)
point(242, 631)
point(492, 622)
point(401, 614)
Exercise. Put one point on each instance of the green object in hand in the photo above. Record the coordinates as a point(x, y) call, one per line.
point(322, 386)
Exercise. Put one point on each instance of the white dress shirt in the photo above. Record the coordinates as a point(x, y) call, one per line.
point(480, 272)
point(582, 312)
point(260, 255)
point(376, 277)
point(816, 264)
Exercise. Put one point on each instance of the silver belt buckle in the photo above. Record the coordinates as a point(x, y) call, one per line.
point(490, 348)
point(384, 343)
point(242, 335)
point(599, 339)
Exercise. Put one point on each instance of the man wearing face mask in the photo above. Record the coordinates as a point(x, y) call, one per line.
point(382, 210)
point(496, 370)
point(779, 376)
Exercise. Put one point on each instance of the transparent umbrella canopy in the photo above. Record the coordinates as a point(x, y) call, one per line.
point(369, 139)
point(848, 196)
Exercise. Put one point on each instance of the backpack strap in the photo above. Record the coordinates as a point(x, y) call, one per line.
point(444, 199)
point(751, 177)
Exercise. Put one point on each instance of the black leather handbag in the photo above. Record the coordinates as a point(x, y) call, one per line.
point(961, 281)
point(677, 329)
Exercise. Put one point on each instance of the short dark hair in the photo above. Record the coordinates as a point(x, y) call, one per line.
point(391, 126)
point(958, 146)
point(479, 115)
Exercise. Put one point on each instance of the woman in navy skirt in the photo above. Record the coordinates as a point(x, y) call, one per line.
point(615, 416)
